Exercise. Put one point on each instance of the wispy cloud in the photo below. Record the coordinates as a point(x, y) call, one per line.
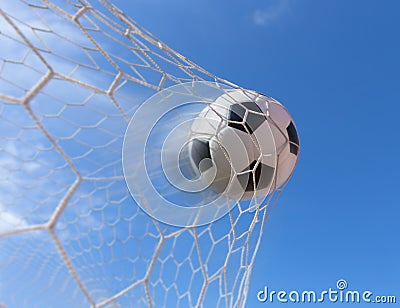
point(274, 10)
point(12, 179)
point(10, 220)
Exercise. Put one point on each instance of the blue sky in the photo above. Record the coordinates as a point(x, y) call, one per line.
point(335, 65)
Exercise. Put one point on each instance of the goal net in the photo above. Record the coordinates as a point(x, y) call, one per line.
point(72, 74)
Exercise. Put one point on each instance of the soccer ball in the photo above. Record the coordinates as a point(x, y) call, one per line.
point(245, 144)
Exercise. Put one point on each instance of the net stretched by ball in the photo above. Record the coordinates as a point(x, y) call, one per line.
point(72, 75)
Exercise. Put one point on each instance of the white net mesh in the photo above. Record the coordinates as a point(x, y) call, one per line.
point(72, 73)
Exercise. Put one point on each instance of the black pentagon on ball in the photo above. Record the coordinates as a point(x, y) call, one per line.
point(293, 138)
point(200, 150)
point(237, 113)
point(263, 176)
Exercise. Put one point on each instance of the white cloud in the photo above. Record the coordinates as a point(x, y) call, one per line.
point(274, 10)
point(11, 183)
point(10, 220)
